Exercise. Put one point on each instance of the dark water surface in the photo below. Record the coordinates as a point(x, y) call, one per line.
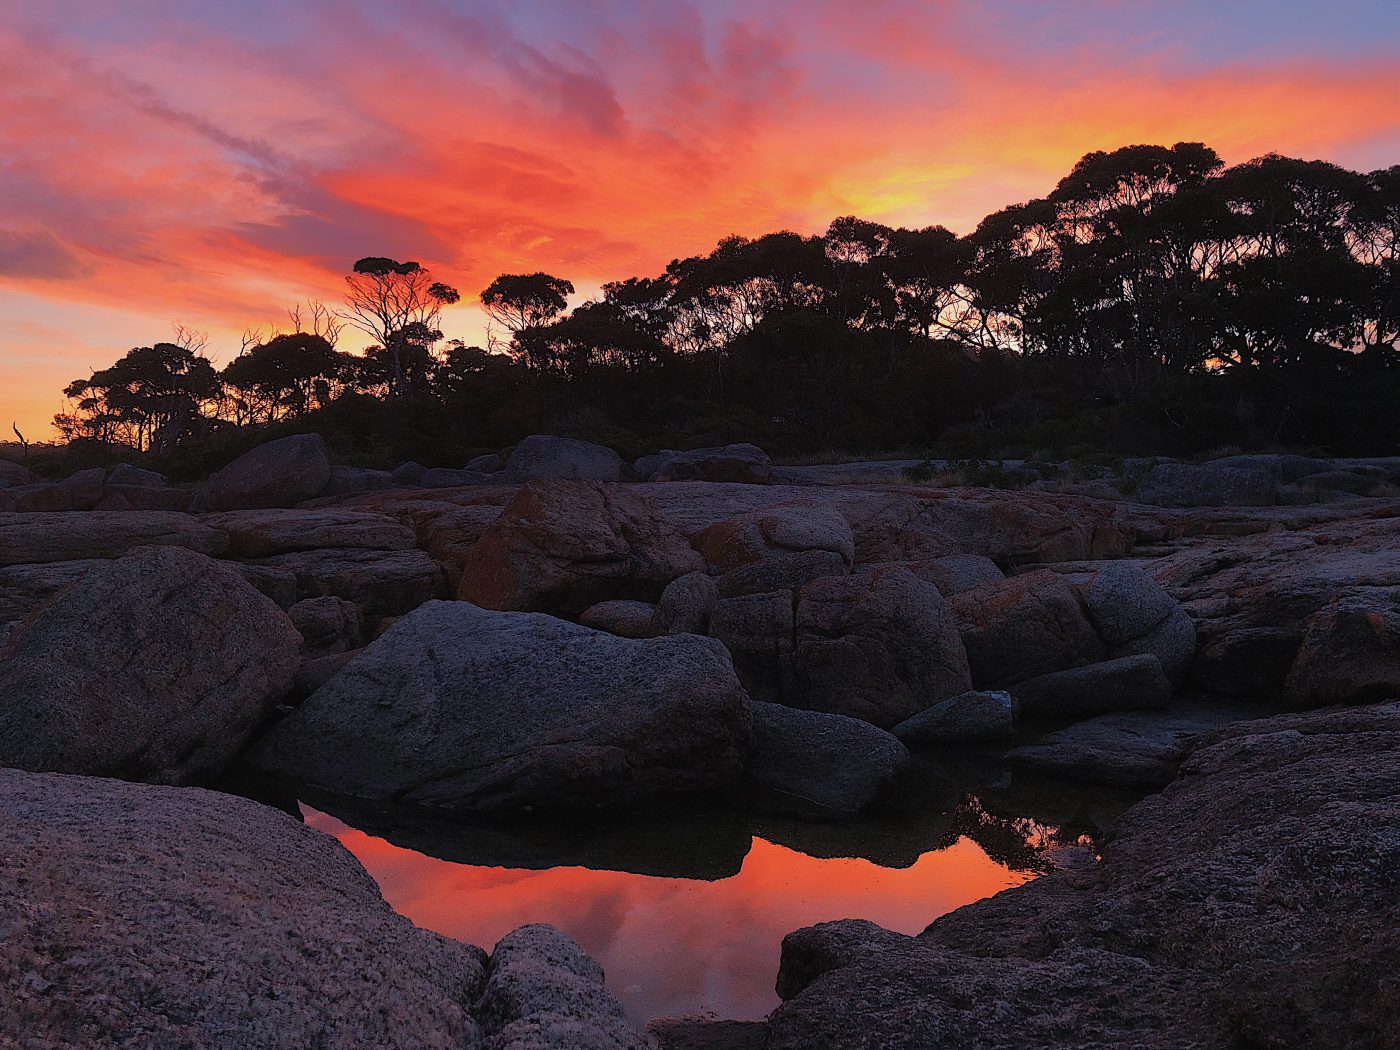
point(687, 912)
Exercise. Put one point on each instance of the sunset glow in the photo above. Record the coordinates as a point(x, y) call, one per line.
point(212, 166)
point(673, 946)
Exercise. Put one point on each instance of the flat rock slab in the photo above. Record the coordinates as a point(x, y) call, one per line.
point(30, 538)
point(1130, 749)
point(263, 533)
point(381, 583)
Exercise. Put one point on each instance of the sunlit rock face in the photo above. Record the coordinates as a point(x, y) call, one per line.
point(562, 546)
point(462, 708)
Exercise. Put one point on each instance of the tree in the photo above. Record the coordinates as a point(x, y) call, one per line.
point(153, 399)
point(398, 305)
point(518, 302)
point(284, 378)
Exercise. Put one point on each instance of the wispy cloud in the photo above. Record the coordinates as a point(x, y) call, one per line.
point(216, 168)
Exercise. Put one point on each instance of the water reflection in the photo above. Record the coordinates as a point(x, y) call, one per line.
point(675, 945)
point(686, 906)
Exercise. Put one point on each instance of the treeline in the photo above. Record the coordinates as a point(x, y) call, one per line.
point(1155, 302)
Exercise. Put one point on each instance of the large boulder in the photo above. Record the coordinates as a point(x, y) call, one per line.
point(1025, 626)
point(31, 538)
point(142, 916)
point(157, 666)
point(328, 624)
point(880, 646)
point(546, 456)
point(1350, 651)
point(561, 546)
point(465, 709)
point(1239, 483)
point(13, 474)
point(816, 764)
point(685, 605)
point(759, 631)
point(279, 473)
point(1133, 614)
point(742, 463)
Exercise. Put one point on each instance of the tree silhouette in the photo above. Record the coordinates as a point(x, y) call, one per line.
point(518, 302)
point(398, 305)
point(152, 399)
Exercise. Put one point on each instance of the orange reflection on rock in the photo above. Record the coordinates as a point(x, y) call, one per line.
point(674, 946)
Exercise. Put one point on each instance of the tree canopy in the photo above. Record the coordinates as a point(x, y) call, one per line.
point(1154, 300)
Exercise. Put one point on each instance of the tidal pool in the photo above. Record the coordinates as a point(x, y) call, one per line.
point(687, 914)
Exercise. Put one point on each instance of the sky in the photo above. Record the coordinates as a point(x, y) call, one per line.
point(210, 162)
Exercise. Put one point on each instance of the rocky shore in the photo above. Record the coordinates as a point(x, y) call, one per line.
point(562, 633)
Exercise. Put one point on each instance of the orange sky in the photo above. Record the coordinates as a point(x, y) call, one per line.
point(214, 167)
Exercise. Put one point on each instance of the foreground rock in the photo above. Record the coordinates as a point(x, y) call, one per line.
point(543, 991)
point(161, 917)
point(1269, 920)
point(464, 709)
point(278, 474)
point(561, 546)
point(157, 666)
point(815, 764)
